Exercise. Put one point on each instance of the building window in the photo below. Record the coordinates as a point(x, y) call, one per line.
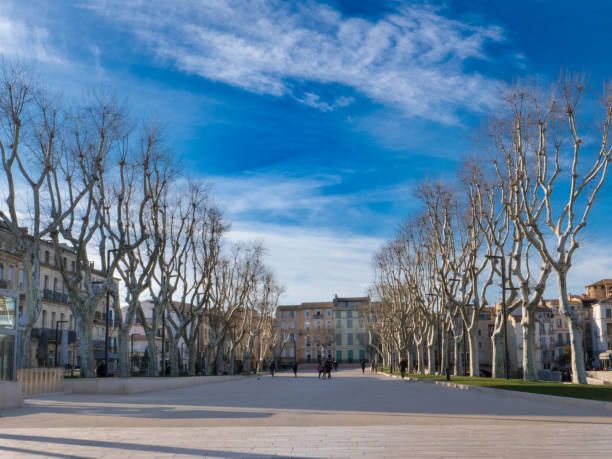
point(328, 324)
point(307, 325)
point(55, 284)
point(44, 319)
point(558, 323)
point(307, 314)
point(21, 274)
point(608, 313)
point(560, 339)
point(73, 266)
point(349, 323)
point(338, 314)
point(10, 277)
point(338, 324)
point(291, 352)
point(328, 312)
point(291, 324)
point(284, 353)
point(479, 333)
point(281, 314)
point(53, 319)
point(338, 339)
point(479, 345)
point(46, 257)
point(293, 314)
point(1, 271)
point(349, 313)
point(361, 338)
point(349, 339)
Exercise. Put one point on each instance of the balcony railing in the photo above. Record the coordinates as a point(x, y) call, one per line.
point(58, 297)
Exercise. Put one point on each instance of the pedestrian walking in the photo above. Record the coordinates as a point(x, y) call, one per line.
point(272, 368)
point(328, 368)
point(403, 366)
point(363, 365)
point(294, 368)
point(372, 366)
point(335, 365)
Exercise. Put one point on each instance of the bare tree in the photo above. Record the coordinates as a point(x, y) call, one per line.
point(541, 147)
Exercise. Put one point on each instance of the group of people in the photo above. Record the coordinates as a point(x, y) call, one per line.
point(325, 368)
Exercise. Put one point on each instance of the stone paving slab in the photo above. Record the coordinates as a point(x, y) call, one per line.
point(353, 415)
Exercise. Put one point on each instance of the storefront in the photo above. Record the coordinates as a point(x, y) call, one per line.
point(8, 333)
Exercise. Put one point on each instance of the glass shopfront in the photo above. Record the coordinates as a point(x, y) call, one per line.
point(8, 329)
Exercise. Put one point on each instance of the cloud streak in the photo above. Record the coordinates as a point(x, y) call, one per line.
point(413, 59)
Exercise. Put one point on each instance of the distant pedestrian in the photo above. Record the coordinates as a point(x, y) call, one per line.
point(335, 365)
point(320, 369)
point(328, 368)
point(372, 366)
point(294, 368)
point(403, 366)
point(272, 368)
point(363, 365)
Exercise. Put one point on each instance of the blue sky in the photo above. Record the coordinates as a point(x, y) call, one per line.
point(314, 120)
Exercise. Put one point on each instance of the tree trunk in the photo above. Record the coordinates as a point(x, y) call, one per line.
point(443, 352)
point(431, 354)
point(23, 347)
point(85, 328)
point(123, 352)
point(420, 357)
point(575, 329)
point(208, 359)
point(497, 342)
point(174, 356)
point(473, 346)
point(529, 345)
point(152, 366)
point(458, 342)
point(193, 356)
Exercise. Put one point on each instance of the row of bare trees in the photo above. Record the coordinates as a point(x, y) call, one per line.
point(519, 204)
point(107, 191)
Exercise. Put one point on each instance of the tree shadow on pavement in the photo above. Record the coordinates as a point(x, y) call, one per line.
point(123, 448)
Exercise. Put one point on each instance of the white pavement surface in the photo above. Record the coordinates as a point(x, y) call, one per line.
point(352, 415)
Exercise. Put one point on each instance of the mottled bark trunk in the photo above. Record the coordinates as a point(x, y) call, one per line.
point(23, 348)
point(497, 342)
point(208, 360)
point(84, 329)
point(420, 357)
point(431, 351)
point(458, 360)
point(473, 346)
point(173, 354)
point(122, 334)
point(192, 348)
point(529, 331)
point(152, 364)
point(575, 328)
point(443, 352)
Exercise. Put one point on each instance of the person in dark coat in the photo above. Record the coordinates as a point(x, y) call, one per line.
point(363, 365)
point(403, 366)
point(328, 369)
point(272, 368)
point(295, 368)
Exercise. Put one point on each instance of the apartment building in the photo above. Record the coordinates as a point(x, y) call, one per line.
point(53, 337)
point(350, 329)
point(307, 331)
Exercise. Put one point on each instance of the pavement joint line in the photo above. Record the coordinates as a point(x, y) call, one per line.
point(511, 393)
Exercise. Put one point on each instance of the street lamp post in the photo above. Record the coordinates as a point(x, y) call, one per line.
point(56, 340)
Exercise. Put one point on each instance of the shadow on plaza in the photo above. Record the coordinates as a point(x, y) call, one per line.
point(348, 391)
point(120, 447)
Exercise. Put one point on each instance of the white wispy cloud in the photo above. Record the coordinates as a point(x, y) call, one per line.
point(413, 59)
point(313, 265)
point(21, 39)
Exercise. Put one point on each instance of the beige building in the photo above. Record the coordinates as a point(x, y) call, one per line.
point(56, 318)
point(307, 330)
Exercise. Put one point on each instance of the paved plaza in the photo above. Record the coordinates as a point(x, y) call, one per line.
point(352, 415)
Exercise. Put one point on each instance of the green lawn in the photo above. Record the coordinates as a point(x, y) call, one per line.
point(589, 392)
